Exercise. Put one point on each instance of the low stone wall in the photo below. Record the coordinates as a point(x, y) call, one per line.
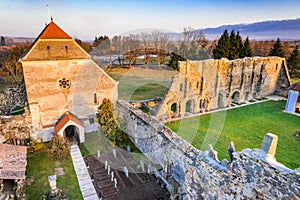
point(11, 97)
point(201, 175)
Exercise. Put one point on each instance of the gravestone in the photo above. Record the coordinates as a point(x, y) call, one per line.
point(269, 144)
point(98, 153)
point(128, 148)
point(142, 165)
point(115, 153)
point(115, 180)
point(105, 164)
point(112, 176)
point(108, 170)
point(126, 171)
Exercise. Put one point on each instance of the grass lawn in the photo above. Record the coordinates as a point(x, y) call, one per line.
point(138, 83)
point(246, 127)
point(40, 166)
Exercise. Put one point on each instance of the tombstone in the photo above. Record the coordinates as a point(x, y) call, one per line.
point(126, 171)
point(269, 144)
point(98, 153)
point(115, 180)
point(112, 176)
point(149, 168)
point(52, 182)
point(105, 164)
point(108, 170)
point(142, 165)
point(231, 150)
point(128, 148)
point(115, 153)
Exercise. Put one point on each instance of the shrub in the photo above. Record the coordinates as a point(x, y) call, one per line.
point(36, 145)
point(59, 147)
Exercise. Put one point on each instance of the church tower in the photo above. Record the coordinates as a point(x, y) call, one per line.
point(64, 86)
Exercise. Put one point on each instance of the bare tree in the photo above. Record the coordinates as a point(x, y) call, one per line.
point(160, 41)
point(190, 43)
point(131, 45)
point(146, 43)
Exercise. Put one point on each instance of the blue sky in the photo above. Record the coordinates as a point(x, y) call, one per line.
point(86, 19)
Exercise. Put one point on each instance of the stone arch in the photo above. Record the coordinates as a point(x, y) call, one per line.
point(71, 133)
point(235, 97)
point(189, 106)
point(174, 107)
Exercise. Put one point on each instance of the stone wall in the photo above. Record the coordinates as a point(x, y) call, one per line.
point(211, 84)
point(251, 174)
point(11, 97)
point(15, 129)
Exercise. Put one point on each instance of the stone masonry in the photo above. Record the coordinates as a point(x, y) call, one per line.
point(211, 84)
point(252, 174)
point(11, 97)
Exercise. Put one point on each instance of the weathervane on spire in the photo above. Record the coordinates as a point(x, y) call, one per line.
point(49, 15)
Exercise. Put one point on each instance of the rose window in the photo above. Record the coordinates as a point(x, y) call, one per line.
point(64, 83)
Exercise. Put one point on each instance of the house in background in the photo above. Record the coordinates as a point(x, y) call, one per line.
point(293, 101)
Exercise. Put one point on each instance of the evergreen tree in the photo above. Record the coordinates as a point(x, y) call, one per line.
point(294, 62)
point(239, 45)
point(232, 46)
point(173, 62)
point(222, 48)
point(247, 49)
point(277, 49)
point(2, 42)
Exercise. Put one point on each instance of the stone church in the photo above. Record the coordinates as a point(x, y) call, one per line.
point(64, 86)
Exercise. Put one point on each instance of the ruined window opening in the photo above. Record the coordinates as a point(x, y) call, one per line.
point(276, 66)
point(48, 47)
point(92, 120)
point(95, 98)
point(181, 87)
point(197, 85)
point(66, 47)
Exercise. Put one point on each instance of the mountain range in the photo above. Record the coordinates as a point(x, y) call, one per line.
point(265, 30)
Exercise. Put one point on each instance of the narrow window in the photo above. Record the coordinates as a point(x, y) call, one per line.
point(181, 87)
point(48, 47)
point(197, 85)
point(95, 98)
point(92, 120)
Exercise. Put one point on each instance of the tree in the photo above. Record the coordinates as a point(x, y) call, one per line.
point(59, 147)
point(192, 44)
point(146, 42)
point(2, 42)
point(160, 41)
point(85, 45)
point(131, 45)
point(223, 46)
point(277, 49)
point(232, 54)
point(293, 62)
point(108, 124)
point(173, 62)
point(239, 45)
point(247, 49)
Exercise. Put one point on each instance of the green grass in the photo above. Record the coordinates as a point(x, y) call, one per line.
point(246, 127)
point(138, 83)
point(40, 166)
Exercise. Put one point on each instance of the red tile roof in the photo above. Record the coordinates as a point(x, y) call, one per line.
point(65, 118)
point(295, 87)
point(12, 161)
point(52, 31)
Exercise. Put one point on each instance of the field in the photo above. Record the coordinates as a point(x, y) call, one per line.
point(246, 127)
point(141, 82)
point(40, 166)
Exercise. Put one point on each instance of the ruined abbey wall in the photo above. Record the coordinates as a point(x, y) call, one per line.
point(11, 97)
point(201, 176)
point(210, 84)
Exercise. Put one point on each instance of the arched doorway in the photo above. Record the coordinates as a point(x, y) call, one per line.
point(189, 105)
point(71, 133)
point(235, 97)
point(174, 107)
